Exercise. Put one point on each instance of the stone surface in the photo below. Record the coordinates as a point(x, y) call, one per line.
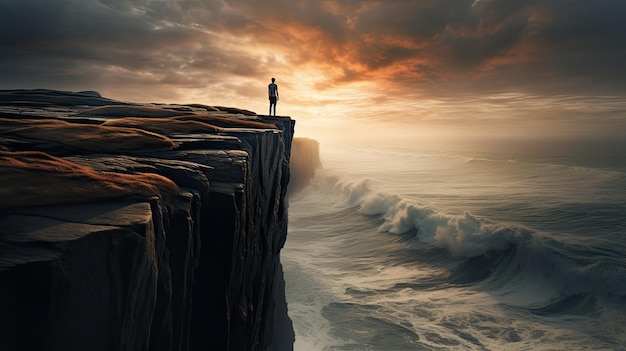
point(130, 226)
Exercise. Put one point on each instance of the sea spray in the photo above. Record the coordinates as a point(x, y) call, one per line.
point(536, 260)
point(440, 253)
point(464, 235)
point(304, 162)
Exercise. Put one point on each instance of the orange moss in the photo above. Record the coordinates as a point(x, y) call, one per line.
point(34, 178)
point(87, 137)
point(206, 107)
point(216, 116)
point(234, 110)
point(225, 121)
point(164, 125)
point(118, 111)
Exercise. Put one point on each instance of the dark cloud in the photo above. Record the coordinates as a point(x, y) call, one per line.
point(468, 50)
point(78, 44)
point(434, 46)
point(415, 20)
point(494, 43)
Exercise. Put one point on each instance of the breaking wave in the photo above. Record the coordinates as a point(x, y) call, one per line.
point(541, 273)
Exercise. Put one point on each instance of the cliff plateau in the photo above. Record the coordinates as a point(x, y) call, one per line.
point(127, 226)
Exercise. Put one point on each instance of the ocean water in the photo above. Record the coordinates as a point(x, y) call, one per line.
point(485, 246)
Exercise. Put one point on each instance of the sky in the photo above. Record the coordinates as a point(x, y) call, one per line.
point(419, 67)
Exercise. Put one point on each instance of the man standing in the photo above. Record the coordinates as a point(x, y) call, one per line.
point(272, 92)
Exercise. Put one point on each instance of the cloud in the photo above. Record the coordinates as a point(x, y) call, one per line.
point(432, 48)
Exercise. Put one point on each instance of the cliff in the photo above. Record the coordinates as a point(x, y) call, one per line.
point(129, 226)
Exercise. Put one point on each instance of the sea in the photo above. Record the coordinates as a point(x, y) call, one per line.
point(490, 245)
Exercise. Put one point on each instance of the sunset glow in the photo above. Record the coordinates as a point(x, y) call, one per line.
point(554, 67)
point(435, 175)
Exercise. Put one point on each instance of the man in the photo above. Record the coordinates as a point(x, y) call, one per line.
point(272, 92)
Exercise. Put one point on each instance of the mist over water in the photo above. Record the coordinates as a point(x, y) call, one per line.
point(483, 245)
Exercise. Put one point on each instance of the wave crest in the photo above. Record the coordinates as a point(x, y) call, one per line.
point(463, 235)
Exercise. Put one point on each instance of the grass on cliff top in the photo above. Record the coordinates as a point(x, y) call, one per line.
point(34, 178)
point(165, 126)
point(195, 123)
point(225, 121)
point(212, 116)
point(87, 137)
point(118, 111)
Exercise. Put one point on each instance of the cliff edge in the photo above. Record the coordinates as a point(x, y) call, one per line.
point(128, 226)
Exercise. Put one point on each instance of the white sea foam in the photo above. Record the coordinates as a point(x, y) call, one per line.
point(464, 235)
point(474, 253)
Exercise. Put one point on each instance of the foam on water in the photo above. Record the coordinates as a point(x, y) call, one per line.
point(378, 260)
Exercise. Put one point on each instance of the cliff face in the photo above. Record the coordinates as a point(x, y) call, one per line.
point(140, 226)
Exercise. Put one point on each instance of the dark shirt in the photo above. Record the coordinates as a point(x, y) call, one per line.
point(272, 90)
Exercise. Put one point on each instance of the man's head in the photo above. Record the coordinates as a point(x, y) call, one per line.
point(273, 80)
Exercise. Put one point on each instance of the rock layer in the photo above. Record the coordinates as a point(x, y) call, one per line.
point(130, 226)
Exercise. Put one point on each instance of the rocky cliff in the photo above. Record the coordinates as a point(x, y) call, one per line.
point(130, 226)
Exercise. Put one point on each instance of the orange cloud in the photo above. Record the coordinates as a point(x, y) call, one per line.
point(335, 52)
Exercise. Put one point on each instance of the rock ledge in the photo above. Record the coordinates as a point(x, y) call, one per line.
point(129, 226)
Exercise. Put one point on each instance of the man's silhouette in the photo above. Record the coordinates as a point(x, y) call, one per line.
point(272, 92)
